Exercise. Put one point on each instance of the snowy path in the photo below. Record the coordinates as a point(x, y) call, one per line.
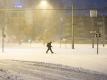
point(23, 70)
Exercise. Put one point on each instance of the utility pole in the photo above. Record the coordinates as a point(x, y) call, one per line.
point(3, 35)
point(72, 26)
point(97, 42)
point(97, 38)
point(92, 36)
point(103, 32)
point(3, 27)
point(61, 31)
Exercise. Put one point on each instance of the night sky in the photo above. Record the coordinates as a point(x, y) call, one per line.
point(84, 6)
point(101, 5)
point(92, 3)
point(79, 4)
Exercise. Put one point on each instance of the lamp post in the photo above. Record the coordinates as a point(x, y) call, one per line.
point(3, 27)
point(92, 36)
point(61, 31)
point(103, 32)
point(93, 13)
point(72, 26)
point(3, 36)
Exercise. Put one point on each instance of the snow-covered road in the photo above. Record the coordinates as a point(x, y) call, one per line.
point(83, 56)
point(23, 70)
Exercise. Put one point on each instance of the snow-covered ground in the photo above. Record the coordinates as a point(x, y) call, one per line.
point(83, 56)
point(23, 70)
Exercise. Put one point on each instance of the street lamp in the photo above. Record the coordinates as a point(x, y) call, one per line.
point(44, 4)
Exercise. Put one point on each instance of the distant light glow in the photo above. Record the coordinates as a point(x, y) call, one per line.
point(18, 5)
point(44, 4)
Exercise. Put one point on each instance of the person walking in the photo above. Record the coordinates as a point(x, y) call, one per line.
point(49, 47)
